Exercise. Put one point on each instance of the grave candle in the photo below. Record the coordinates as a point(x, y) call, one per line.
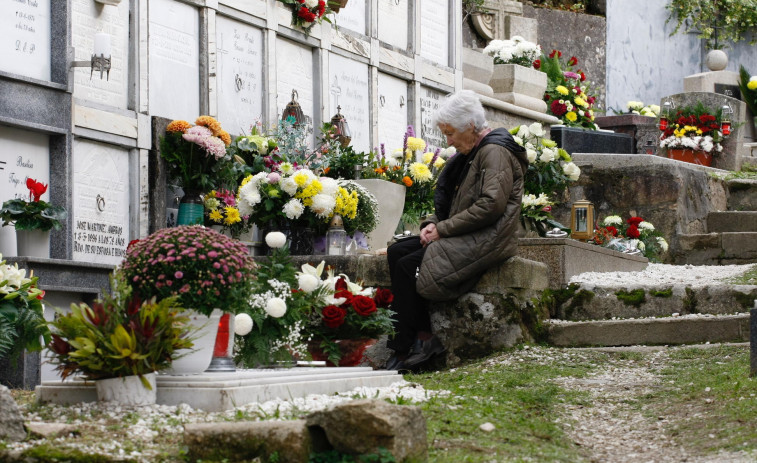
point(102, 44)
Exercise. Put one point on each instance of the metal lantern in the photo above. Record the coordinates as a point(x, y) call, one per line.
point(293, 110)
point(582, 220)
point(726, 118)
point(342, 129)
point(336, 237)
point(665, 113)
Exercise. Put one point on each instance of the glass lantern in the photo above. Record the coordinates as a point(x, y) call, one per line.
point(582, 220)
point(336, 237)
point(666, 113)
point(726, 118)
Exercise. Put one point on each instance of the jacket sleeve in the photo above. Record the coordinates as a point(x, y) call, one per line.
point(494, 182)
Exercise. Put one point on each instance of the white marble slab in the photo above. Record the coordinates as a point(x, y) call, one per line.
point(294, 68)
point(101, 202)
point(174, 77)
point(87, 19)
point(435, 19)
point(352, 17)
point(348, 88)
point(25, 38)
point(23, 154)
point(239, 49)
point(392, 111)
point(393, 22)
point(430, 100)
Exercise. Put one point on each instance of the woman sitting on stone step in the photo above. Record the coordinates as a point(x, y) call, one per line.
point(477, 209)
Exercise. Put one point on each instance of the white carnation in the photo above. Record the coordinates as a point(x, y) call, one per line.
point(276, 307)
point(293, 209)
point(242, 324)
point(275, 239)
point(307, 283)
point(447, 152)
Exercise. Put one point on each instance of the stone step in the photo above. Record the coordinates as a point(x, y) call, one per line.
point(690, 329)
point(215, 392)
point(742, 194)
point(586, 302)
point(732, 221)
point(716, 248)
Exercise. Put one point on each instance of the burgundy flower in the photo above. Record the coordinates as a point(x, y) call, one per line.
point(633, 232)
point(333, 316)
point(383, 297)
point(537, 64)
point(557, 108)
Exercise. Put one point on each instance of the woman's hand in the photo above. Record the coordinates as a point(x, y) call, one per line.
point(429, 234)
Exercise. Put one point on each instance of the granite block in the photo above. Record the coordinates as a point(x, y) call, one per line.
point(643, 130)
point(23, 373)
point(577, 140)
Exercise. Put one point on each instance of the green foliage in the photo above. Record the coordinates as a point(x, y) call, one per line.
point(21, 314)
point(749, 95)
point(188, 165)
point(334, 456)
point(32, 215)
point(717, 22)
point(246, 156)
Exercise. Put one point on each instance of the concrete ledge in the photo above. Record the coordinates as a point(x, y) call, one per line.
point(246, 441)
point(678, 330)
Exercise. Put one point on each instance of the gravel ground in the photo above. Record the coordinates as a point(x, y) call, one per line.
point(666, 275)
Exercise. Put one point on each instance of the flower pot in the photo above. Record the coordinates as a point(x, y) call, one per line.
point(337, 5)
point(33, 243)
point(196, 360)
point(352, 351)
point(691, 156)
point(391, 202)
point(191, 209)
point(128, 390)
point(8, 246)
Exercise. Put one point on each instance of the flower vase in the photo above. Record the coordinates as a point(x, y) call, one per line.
point(33, 243)
point(691, 156)
point(391, 201)
point(8, 246)
point(127, 390)
point(191, 209)
point(520, 86)
point(196, 360)
point(352, 350)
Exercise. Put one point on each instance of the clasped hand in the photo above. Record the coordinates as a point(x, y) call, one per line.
point(429, 234)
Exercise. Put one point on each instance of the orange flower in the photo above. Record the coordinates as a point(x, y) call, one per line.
point(225, 137)
point(210, 123)
point(178, 126)
point(407, 181)
point(326, 170)
point(396, 168)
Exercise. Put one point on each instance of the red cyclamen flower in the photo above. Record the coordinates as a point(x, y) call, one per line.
point(555, 52)
point(572, 61)
point(537, 64)
point(36, 189)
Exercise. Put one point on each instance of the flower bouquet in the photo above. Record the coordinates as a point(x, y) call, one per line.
point(34, 214)
point(514, 51)
point(305, 13)
point(631, 235)
point(550, 169)
point(639, 108)
point(221, 209)
point(21, 314)
point(695, 128)
point(568, 97)
point(249, 154)
point(748, 87)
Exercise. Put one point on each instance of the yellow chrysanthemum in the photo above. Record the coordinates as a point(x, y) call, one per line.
point(178, 126)
point(415, 144)
point(562, 90)
point(232, 215)
point(246, 180)
point(571, 116)
point(752, 84)
point(212, 203)
point(210, 123)
point(346, 203)
point(439, 163)
point(225, 137)
point(216, 216)
point(581, 102)
point(427, 157)
point(300, 178)
point(307, 193)
point(420, 172)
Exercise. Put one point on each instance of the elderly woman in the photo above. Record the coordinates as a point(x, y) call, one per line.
point(477, 208)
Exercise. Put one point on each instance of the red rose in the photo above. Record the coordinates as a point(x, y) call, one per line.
point(557, 108)
point(572, 61)
point(321, 8)
point(340, 284)
point(333, 316)
point(632, 232)
point(383, 297)
point(537, 64)
point(613, 231)
point(345, 294)
point(306, 14)
point(635, 221)
point(583, 76)
point(363, 305)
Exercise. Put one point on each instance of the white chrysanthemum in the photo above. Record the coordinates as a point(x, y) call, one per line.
point(572, 171)
point(288, 185)
point(293, 209)
point(427, 157)
point(537, 129)
point(329, 186)
point(242, 324)
point(323, 205)
point(391, 161)
point(531, 155)
point(612, 220)
point(307, 283)
point(547, 155)
point(439, 162)
point(249, 193)
point(260, 177)
point(244, 208)
point(286, 168)
point(663, 244)
point(646, 226)
point(398, 154)
point(640, 245)
point(275, 239)
point(276, 307)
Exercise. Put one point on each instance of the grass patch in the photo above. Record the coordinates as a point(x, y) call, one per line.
point(747, 278)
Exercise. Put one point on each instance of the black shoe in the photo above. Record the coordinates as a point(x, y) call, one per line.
point(422, 352)
point(393, 363)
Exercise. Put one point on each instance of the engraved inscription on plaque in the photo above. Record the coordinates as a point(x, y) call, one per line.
point(101, 202)
point(294, 69)
point(435, 31)
point(174, 63)
point(392, 22)
point(352, 16)
point(23, 154)
point(430, 100)
point(348, 88)
point(240, 80)
point(25, 38)
point(89, 18)
point(392, 111)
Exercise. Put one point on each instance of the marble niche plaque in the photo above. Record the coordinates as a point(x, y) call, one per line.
point(100, 202)
point(294, 70)
point(435, 31)
point(392, 22)
point(89, 18)
point(430, 100)
point(174, 82)
point(240, 75)
point(25, 38)
point(348, 88)
point(352, 16)
point(392, 111)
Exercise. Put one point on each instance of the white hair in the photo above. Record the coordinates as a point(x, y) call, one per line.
point(460, 110)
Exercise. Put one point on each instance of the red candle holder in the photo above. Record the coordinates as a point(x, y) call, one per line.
point(725, 128)
point(663, 124)
point(223, 350)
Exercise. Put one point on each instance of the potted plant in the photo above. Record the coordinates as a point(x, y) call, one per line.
point(193, 157)
point(120, 342)
point(634, 233)
point(306, 13)
point(222, 214)
point(209, 273)
point(568, 96)
point(33, 220)
point(693, 135)
point(22, 324)
point(514, 72)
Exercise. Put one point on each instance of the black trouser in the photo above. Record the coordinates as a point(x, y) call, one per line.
point(412, 314)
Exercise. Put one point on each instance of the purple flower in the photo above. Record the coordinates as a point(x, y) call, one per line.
point(212, 254)
point(178, 274)
point(571, 75)
point(273, 178)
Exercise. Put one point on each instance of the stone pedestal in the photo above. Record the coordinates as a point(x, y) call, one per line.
point(643, 130)
point(712, 82)
point(520, 86)
point(577, 140)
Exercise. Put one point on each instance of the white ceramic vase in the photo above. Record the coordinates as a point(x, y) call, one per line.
point(128, 390)
point(8, 246)
point(391, 202)
point(196, 360)
point(33, 243)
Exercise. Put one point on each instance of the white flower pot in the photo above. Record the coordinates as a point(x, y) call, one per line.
point(514, 78)
point(33, 243)
point(196, 360)
point(8, 242)
point(391, 202)
point(128, 390)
